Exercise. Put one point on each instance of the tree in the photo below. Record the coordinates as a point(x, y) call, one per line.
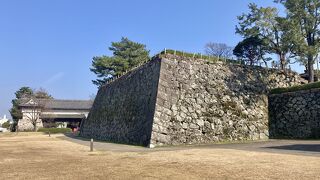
point(34, 111)
point(6, 125)
point(218, 50)
point(251, 51)
point(126, 55)
point(42, 94)
point(304, 16)
point(25, 93)
point(266, 24)
point(21, 93)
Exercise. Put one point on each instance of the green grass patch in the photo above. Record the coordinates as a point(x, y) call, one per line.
point(200, 56)
point(296, 88)
point(55, 130)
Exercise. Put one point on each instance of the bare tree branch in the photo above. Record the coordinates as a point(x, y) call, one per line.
point(218, 50)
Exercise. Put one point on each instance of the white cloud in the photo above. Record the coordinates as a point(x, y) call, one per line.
point(56, 77)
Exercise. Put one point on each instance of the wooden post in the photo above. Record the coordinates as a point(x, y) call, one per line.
point(91, 145)
point(49, 134)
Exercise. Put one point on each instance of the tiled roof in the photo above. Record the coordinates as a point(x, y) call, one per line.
point(62, 116)
point(57, 104)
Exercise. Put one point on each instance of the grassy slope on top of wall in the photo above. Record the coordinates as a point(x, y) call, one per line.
point(296, 88)
point(200, 56)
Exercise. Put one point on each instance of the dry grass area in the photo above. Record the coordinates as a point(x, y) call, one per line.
point(38, 156)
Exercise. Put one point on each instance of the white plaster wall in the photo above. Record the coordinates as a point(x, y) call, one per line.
point(25, 124)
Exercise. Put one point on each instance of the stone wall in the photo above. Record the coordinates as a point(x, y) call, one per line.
point(123, 110)
point(28, 117)
point(202, 102)
point(295, 114)
point(177, 100)
point(26, 125)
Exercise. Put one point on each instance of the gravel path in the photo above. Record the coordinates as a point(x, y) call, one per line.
point(299, 147)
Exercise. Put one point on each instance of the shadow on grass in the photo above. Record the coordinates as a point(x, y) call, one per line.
point(298, 147)
point(76, 136)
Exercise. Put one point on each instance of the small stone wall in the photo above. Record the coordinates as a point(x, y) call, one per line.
point(295, 114)
point(26, 125)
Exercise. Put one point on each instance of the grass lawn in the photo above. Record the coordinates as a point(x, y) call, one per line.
point(37, 156)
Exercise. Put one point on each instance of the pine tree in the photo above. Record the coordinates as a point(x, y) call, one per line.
point(126, 55)
point(265, 24)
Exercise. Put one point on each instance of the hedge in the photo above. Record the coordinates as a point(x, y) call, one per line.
point(296, 88)
point(6, 125)
point(55, 130)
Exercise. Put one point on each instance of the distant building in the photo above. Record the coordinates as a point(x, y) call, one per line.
point(3, 120)
point(52, 113)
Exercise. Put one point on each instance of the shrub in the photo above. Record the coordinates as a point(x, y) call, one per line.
point(55, 130)
point(6, 125)
point(296, 88)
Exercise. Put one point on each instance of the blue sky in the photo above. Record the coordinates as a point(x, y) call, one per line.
point(50, 44)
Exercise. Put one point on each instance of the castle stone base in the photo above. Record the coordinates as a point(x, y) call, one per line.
point(176, 100)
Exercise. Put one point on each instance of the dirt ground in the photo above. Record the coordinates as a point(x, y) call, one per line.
point(36, 156)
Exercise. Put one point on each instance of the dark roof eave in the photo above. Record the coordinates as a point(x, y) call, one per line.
point(84, 109)
point(57, 104)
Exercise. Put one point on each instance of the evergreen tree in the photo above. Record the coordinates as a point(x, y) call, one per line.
point(23, 92)
point(126, 54)
point(251, 50)
point(265, 24)
point(304, 16)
